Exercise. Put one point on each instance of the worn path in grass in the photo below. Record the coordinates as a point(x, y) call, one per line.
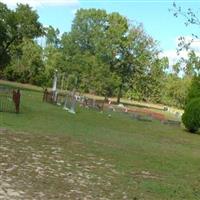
point(47, 153)
point(53, 167)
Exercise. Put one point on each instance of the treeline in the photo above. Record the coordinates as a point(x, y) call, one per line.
point(102, 54)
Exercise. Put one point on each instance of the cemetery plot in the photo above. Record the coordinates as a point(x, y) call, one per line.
point(140, 114)
point(143, 114)
point(70, 100)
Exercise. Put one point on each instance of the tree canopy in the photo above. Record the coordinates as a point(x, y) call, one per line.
point(103, 54)
point(16, 25)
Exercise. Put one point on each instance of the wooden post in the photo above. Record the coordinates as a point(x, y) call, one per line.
point(16, 99)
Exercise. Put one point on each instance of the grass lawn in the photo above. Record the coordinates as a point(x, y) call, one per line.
point(47, 153)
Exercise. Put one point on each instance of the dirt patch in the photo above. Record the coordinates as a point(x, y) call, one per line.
point(53, 167)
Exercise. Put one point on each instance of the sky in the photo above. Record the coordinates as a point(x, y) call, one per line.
point(155, 16)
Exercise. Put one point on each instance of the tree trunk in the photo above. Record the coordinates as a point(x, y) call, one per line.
point(119, 94)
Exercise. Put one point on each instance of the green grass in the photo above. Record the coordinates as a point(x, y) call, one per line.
point(151, 160)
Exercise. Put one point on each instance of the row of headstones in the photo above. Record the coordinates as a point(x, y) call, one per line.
point(178, 114)
point(70, 100)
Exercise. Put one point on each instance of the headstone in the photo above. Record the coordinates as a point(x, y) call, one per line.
point(70, 102)
point(73, 105)
point(111, 108)
point(172, 122)
point(93, 103)
point(165, 108)
point(120, 105)
point(65, 103)
point(178, 114)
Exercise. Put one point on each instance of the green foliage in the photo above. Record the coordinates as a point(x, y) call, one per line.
point(16, 25)
point(27, 65)
point(192, 64)
point(53, 59)
point(28, 25)
point(149, 85)
point(191, 116)
point(194, 91)
point(107, 53)
point(175, 90)
point(6, 32)
point(52, 36)
point(72, 82)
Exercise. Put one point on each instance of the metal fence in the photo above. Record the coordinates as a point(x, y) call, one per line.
point(6, 100)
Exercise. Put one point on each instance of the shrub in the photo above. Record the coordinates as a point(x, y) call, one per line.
point(191, 116)
point(194, 91)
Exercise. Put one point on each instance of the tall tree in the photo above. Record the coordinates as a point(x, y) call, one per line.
point(111, 40)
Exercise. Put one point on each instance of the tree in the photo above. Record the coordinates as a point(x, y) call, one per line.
point(120, 57)
point(192, 65)
point(52, 36)
point(7, 21)
point(192, 68)
point(14, 27)
point(150, 86)
point(121, 49)
point(84, 49)
point(175, 90)
point(27, 64)
point(88, 29)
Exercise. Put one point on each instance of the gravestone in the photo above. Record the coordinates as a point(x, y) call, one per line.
point(172, 122)
point(70, 102)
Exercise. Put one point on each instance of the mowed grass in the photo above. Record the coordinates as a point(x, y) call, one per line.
point(133, 159)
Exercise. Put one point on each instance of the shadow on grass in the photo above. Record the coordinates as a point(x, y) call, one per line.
point(188, 132)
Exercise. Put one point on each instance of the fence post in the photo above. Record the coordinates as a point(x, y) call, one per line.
point(16, 99)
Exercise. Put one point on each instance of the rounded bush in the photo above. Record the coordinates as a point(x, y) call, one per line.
point(191, 116)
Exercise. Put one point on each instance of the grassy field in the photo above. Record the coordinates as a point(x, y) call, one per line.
point(47, 153)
